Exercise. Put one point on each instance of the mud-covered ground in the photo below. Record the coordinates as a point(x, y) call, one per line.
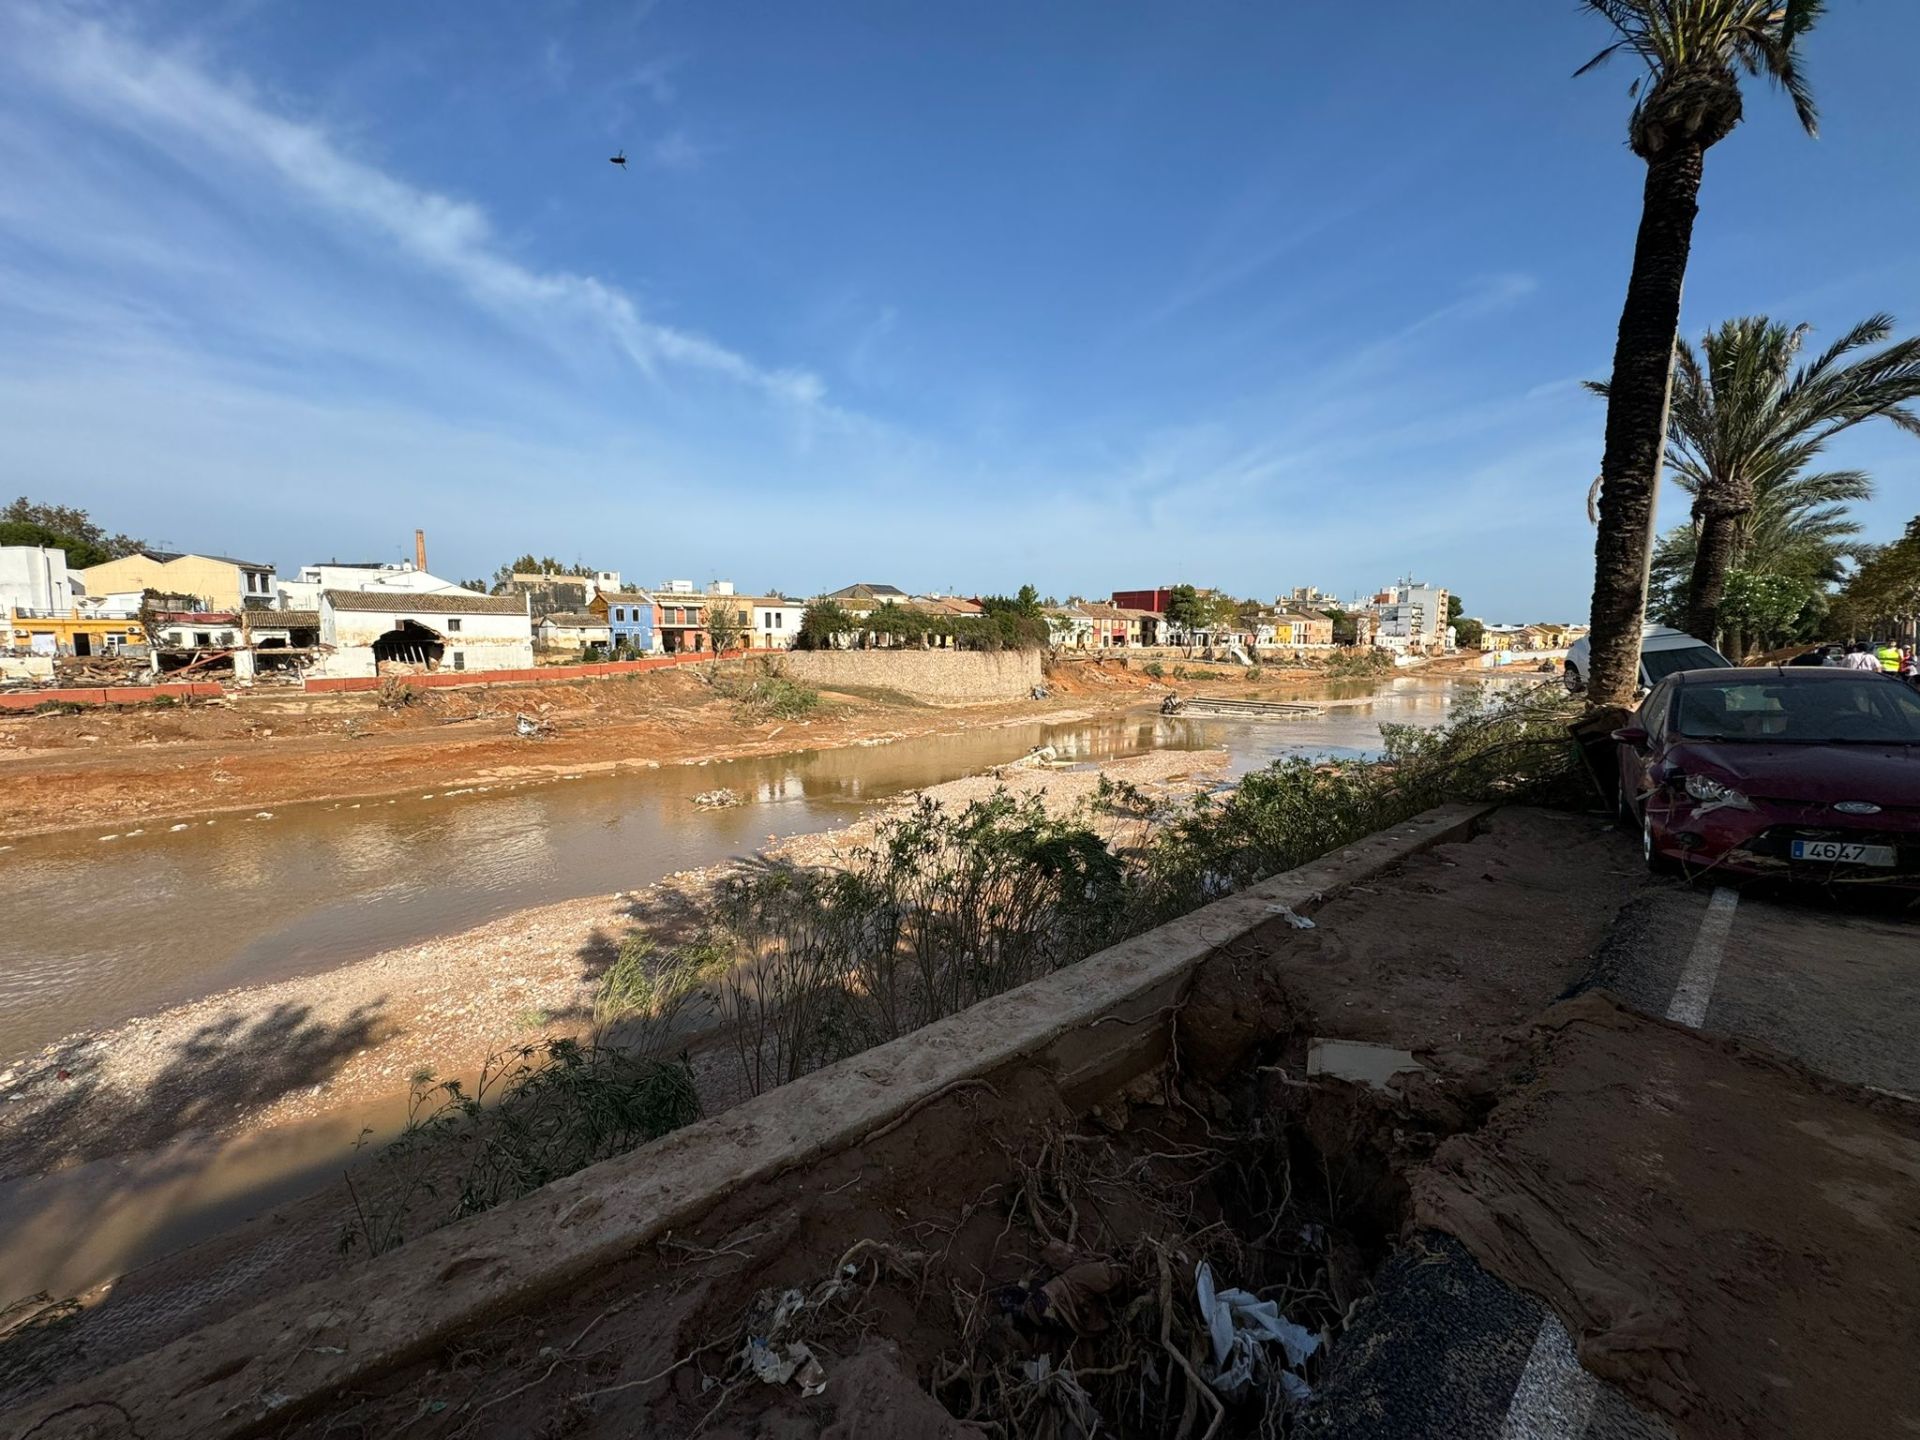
point(276, 747)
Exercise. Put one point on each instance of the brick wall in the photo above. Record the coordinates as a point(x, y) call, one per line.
point(948, 676)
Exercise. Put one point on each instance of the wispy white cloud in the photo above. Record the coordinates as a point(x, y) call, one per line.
point(168, 99)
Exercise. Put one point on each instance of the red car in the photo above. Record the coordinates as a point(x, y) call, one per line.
point(1807, 773)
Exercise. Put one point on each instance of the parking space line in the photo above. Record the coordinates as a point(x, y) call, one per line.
point(1554, 1396)
point(1697, 977)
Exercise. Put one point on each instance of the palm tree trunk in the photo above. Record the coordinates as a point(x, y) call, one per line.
point(1712, 559)
point(1641, 388)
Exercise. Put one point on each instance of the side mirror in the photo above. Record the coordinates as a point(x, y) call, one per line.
point(1634, 735)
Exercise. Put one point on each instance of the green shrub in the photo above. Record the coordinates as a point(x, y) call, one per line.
point(540, 1111)
point(764, 693)
point(1359, 663)
point(1254, 672)
point(1154, 669)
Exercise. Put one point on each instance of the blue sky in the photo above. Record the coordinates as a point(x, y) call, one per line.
point(1088, 293)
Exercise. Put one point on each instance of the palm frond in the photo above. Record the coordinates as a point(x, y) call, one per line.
point(1758, 37)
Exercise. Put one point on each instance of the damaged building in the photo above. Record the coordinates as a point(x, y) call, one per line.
point(370, 632)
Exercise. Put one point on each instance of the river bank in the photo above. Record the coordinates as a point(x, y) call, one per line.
point(352, 1036)
point(132, 768)
point(149, 766)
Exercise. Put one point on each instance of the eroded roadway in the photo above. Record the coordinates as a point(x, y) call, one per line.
point(1832, 980)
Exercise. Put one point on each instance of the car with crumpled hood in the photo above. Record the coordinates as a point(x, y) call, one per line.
point(1806, 773)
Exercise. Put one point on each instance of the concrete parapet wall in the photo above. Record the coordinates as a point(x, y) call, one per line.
point(112, 695)
point(944, 676)
point(250, 1374)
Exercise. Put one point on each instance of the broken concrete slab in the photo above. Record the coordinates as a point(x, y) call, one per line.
point(1360, 1063)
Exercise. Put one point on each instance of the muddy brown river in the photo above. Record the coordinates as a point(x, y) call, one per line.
point(104, 926)
point(100, 930)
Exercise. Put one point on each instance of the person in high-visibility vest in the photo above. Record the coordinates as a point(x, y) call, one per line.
point(1889, 657)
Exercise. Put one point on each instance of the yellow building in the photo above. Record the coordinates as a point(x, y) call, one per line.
point(217, 582)
point(70, 632)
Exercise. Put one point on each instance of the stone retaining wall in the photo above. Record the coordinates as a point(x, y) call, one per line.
point(951, 677)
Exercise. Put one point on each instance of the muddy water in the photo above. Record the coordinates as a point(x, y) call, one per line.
point(99, 930)
point(102, 927)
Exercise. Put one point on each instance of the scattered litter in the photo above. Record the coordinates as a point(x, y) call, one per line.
point(717, 799)
point(176, 829)
point(1241, 1327)
point(1074, 1299)
point(776, 1364)
point(264, 815)
point(1363, 1064)
point(109, 837)
point(531, 727)
point(1298, 922)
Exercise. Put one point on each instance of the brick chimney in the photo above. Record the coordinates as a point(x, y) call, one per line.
point(419, 549)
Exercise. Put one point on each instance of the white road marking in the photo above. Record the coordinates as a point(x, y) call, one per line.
point(1702, 969)
point(1554, 1396)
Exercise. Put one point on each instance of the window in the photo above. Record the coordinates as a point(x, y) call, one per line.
point(453, 625)
point(1661, 663)
point(620, 613)
point(459, 660)
point(202, 637)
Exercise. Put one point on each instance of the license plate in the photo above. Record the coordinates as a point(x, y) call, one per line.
point(1843, 852)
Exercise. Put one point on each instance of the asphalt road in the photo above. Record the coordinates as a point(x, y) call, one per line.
point(1446, 1350)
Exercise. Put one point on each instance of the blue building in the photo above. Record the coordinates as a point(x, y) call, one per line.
point(629, 616)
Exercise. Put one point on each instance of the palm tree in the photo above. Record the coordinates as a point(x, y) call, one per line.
point(1742, 418)
point(1746, 425)
point(1687, 101)
point(1798, 530)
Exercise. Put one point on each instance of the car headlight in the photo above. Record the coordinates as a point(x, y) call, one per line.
point(1710, 791)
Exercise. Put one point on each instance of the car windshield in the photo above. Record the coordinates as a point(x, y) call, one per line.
point(1835, 711)
point(1662, 663)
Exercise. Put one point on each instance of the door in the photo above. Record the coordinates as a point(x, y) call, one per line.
point(82, 643)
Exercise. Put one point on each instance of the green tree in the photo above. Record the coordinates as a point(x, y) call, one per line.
point(1185, 609)
point(63, 527)
point(1764, 610)
point(1686, 100)
point(1346, 631)
point(1222, 612)
point(822, 624)
point(1883, 595)
point(726, 621)
point(1746, 425)
point(1469, 633)
point(1456, 607)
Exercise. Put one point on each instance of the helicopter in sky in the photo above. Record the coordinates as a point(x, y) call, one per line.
point(620, 159)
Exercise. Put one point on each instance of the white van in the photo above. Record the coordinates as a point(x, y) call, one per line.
point(1664, 651)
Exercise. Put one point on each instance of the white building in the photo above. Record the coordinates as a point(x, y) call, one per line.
point(1069, 628)
point(400, 576)
point(1412, 619)
point(775, 620)
point(572, 630)
point(375, 632)
point(34, 578)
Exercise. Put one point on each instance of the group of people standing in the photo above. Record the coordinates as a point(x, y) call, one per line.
point(1890, 658)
